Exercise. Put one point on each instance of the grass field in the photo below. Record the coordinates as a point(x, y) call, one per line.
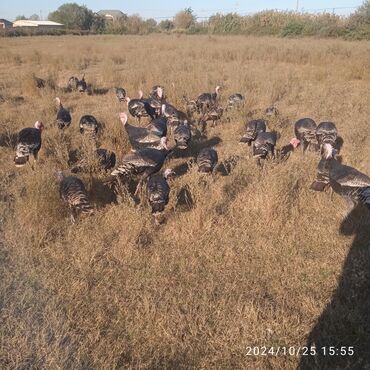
point(258, 260)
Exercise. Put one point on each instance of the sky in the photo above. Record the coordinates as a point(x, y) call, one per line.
point(168, 8)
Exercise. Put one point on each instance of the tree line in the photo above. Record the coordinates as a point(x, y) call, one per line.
point(279, 23)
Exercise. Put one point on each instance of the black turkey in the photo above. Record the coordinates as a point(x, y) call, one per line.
point(140, 107)
point(81, 85)
point(140, 137)
point(158, 191)
point(235, 101)
point(182, 135)
point(207, 100)
point(322, 176)
point(120, 93)
point(252, 129)
point(28, 143)
point(89, 125)
point(346, 181)
point(326, 133)
point(104, 160)
point(305, 135)
point(143, 162)
point(72, 190)
point(207, 160)
point(158, 126)
point(264, 146)
point(64, 118)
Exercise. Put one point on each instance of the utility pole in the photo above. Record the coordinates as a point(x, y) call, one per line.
point(297, 6)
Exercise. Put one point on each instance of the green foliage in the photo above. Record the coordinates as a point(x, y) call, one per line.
point(292, 28)
point(20, 17)
point(73, 16)
point(166, 25)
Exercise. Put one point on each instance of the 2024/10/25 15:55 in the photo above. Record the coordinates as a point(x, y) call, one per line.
point(299, 351)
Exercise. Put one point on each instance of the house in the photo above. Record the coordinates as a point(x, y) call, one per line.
point(111, 15)
point(5, 24)
point(46, 25)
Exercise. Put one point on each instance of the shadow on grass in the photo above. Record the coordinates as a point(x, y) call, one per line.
point(345, 321)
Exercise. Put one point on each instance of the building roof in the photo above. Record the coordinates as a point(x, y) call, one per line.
point(2, 20)
point(29, 23)
point(113, 13)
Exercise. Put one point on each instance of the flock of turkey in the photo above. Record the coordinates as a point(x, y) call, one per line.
point(150, 147)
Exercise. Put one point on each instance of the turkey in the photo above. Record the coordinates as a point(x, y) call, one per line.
point(264, 146)
point(326, 133)
point(346, 181)
point(28, 143)
point(104, 159)
point(206, 100)
point(173, 115)
point(322, 177)
point(190, 106)
point(81, 85)
point(143, 162)
point(64, 118)
point(72, 190)
point(182, 135)
point(40, 83)
point(140, 107)
point(121, 94)
point(271, 112)
point(157, 93)
point(72, 83)
point(305, 134)
point(89, 125)
point(140, 137)
point(235, 101)
point(156, 98)
point(213, 114)
point(158, 126)
point(158, 191)
point(207, 160)
point(253, 128)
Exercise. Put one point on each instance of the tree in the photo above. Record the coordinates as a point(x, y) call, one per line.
point(73, 16)
point(20, 17)
point(34, 17)
point(362, 15)
point(185, 19)
point(166, 25)
point(98, 24)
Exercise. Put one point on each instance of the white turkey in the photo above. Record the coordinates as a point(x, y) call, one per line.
point(28, 143)
point(143, 163)
point(158, 191)
point(206, 100)
point(207, 160)
point(121, 94)
point(64, 118)
point(346, 181)
point(72, 190)
point(140, 107)
point(140, 137)
point(89, 125)
point(252, 129)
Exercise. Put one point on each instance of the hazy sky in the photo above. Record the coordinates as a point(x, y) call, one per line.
point(167, 8)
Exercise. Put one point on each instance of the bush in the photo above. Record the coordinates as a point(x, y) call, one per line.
point(292, 28)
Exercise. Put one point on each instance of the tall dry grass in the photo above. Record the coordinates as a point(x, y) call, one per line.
point(254, 261)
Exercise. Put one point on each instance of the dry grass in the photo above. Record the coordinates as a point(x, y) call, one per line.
point(254, 262)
